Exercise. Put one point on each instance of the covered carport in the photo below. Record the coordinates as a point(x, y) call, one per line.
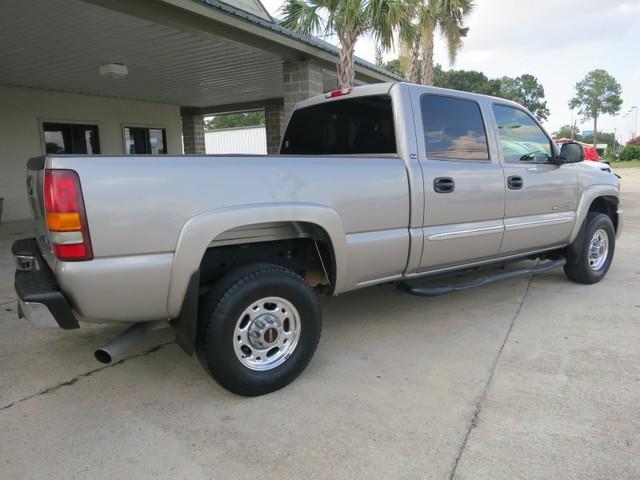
point(156, 66)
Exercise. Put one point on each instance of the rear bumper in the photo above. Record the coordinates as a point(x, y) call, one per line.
point(39, 297)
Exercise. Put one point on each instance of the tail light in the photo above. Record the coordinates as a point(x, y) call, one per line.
point(66, 216)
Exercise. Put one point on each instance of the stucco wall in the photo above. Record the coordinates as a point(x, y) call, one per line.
point(22, 111)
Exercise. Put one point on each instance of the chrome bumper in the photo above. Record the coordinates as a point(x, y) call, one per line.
point(37, 314)
point(40, 300)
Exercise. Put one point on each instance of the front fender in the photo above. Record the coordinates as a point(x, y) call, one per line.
point(586, 199)
point(200, 230)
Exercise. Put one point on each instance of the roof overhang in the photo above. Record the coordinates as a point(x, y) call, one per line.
point(218, 18)
point(194, 53)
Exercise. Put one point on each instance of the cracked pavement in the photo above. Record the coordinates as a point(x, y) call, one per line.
point(532, 379)
point(68, 383)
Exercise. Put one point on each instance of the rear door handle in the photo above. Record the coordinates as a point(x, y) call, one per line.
point(444, 185)
point(515, 182)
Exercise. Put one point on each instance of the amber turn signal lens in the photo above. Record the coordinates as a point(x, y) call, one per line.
point(63, 222)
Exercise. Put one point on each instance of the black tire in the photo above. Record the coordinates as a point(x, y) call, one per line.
point(220, 312)
point(578, 268)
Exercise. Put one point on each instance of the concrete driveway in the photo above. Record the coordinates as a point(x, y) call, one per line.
point(532, 379)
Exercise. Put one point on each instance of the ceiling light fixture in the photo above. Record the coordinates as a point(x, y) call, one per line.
point(114, 70)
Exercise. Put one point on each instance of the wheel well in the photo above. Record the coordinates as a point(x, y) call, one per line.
point(304, 248)
point(607, 205)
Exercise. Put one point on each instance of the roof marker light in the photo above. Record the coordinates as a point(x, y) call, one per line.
point(338, 92)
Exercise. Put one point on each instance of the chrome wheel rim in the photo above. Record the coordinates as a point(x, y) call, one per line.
point(598, 249)
point(266, 333)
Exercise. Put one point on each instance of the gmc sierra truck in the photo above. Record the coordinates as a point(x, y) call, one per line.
point(381, 183)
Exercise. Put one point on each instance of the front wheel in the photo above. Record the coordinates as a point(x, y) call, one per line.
point(262, 327)
point(592, 252)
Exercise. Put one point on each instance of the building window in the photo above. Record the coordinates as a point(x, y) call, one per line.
point(71, 138)
point(145, 140)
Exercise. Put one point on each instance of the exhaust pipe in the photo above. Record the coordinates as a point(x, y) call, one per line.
point(120, 344)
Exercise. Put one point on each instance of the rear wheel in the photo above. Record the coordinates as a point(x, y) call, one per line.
point(592, 252)
point(261, 327)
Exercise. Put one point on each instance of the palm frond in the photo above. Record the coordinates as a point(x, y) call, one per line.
point(452, 33)
point(450, 16)
point(304, 16)
point(386, 17)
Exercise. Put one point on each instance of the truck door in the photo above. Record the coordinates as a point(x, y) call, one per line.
point(541, 196)
point(463, 182)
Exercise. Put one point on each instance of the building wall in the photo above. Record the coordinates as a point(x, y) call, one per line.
point(22, 111)
point(236, 140)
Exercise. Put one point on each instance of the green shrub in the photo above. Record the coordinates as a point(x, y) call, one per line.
point(630, 152)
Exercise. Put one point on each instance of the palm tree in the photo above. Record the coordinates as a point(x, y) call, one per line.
point(348, 20)
point(379, 60)
point(446, 15)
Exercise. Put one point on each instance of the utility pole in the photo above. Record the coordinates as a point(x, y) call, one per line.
point(573, 122)
point(635, 122)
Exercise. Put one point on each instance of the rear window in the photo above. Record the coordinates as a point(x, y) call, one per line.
point(342, 127)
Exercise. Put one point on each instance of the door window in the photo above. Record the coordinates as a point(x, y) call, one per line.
point(521, 138)
point(142, 140)
point(70, 138)
point(453, 128)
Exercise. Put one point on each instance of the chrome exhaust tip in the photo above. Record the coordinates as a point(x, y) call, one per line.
point(117, 347)
point(102, 355)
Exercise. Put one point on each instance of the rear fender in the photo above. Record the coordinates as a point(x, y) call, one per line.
point(200, 230)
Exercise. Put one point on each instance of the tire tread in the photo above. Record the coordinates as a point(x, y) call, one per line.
point(215, 311)
point(577, 268)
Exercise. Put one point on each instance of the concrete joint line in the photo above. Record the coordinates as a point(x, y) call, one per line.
point(75, 379)
point(478, 408)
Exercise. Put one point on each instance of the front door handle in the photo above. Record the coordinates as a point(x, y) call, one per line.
point(515, 182)
point(444, 185)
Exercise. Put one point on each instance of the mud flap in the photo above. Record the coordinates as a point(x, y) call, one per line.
point(186, 324)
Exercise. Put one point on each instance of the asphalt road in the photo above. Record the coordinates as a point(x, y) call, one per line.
point(534, 379)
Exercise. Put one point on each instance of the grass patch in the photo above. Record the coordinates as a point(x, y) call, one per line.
point(626, 164)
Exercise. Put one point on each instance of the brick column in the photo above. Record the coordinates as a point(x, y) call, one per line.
point(193, 132)
point(301, 80)
point(274, 125)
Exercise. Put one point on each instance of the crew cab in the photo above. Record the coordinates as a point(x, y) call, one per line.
point(381, 183)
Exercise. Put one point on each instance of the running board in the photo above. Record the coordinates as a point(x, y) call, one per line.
point(418, 288)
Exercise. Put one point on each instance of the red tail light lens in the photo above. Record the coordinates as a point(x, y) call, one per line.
point(66, 216)
point(338, 93)
point(72, 252)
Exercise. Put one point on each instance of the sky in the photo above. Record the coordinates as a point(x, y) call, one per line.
point(558, 41)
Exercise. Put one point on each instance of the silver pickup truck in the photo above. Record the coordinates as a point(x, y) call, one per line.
point(382, 183)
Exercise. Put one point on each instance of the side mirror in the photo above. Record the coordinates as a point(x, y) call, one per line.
point(571, 152)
